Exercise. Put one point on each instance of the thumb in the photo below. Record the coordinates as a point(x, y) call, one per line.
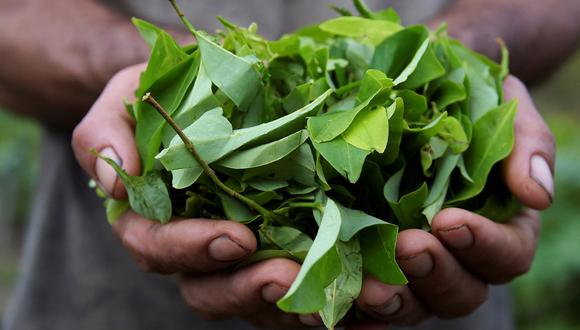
point(528, 171)
point(109, 129)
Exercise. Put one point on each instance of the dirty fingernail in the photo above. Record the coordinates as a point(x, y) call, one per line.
point(106, 175)
point(273, 292)
point(390, 307)
point(458, 237)
point(309, 319)
point(418, 265)
point(224, 248)
point(541, 173)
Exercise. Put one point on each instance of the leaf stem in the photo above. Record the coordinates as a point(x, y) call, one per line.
point(182, 17)
point(208, 170)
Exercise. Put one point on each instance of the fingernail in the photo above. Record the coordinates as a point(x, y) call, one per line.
point(418, 265)
point(106, 175)
point(273, 292)
point(309, 320)
point(541, 173)
point(224, 248)
point(390, 307)
point(458, 237)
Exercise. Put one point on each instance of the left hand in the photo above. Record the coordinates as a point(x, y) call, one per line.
point(449, 269)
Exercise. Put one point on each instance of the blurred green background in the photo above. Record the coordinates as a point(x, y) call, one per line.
point(548, 297)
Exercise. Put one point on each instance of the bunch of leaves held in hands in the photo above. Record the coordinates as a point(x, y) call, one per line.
point(325, 142)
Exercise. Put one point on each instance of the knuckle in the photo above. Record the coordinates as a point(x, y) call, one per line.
point(201, 309)
point(143, 263)
point(447, 287)
point(465, 306)
point(236, 300)
point(523, 264)
point(80, 135)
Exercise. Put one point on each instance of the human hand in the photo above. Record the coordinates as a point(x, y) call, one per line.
point(207, 246)
point(450, 268)
point(198, 250)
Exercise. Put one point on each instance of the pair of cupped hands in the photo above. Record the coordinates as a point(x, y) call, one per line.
point(449, 269)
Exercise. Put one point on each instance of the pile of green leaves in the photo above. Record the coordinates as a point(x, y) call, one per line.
point(327, 141)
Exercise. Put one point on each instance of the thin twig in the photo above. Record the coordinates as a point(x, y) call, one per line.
point(182, 17)
point(208, 170)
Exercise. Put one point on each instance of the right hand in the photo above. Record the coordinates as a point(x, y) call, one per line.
point(196, 249)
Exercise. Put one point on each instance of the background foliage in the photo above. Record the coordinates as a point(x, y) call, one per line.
point(548, 297)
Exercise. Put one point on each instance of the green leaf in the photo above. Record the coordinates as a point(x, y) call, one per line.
point(298, 166)
point(447, 93)
point(148, 195)
point(233, 75)
point(321, 266)
point(493, 139)
point(148, 31)
point(165, 56)
point(430, 211)
point(463, 170)
point(208, 134)
point(267, 184)
point(423, 134)
point(374, 85)
point(235, 210)
point(213, 139)
point(359, 56)
point(369, 130)
point(169, 91)
point(439, 187)
point(346, 159)
point(328, 126)
point(396, 125)
point(428, 69)
point(407, 208)
point(115, 209)
point(264, 154)
point(286, 238)
point(368, 30)
point(415, 104)
point(399, 54)
point(483, 94)
point(342, 292)
point(453, 133)
point(388, 14)
point(378, 250)
point(341, 10)
point(432, 151)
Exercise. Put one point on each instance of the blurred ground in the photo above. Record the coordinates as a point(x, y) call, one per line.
point(548, 297)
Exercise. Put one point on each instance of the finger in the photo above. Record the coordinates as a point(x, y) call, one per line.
point(529, 169)
point(109, 129)
point(249, 293)
point(436, 277)
point(186, 245)
point(392, 304)
point(496, 252)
